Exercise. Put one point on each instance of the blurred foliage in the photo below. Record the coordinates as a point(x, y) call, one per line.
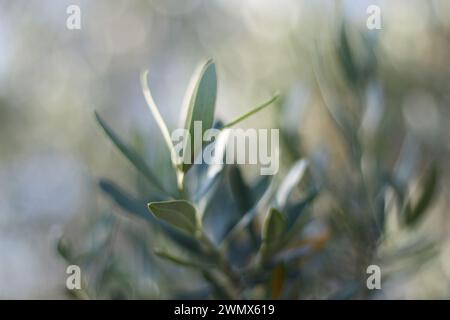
point(307, 233)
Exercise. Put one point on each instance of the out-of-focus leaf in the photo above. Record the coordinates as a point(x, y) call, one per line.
point(130, 154)
point(200, 103)
point(125, 201)
point(139, 209)
point(260, 187)
point(180, 261)
point(240, 190)
point(413, 216)
point(214, 170)
point(220, 290)
point(220, 211)
point(64, 249)
point(291, 180)
point(243, 198)
point(114, 282)
point(277, 284)
point(290, 255)
point(273, 229)
point(346, 58)
point(249, 216)
point(416, 247)
point(179, 213)
point(293, 212)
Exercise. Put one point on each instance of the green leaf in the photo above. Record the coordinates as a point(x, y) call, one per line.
point(64, 249)
point(413, 216)
point(273, 229)
point(273, 226)
point(215, 170)
point(180, 261)
point(248, 217)
point(125, 201)
point(293, 212)
point(347, 61)
point(200, 103)
point(260, 186)
point(290, 255)
point(243, 198)
point(179, 213)
point(251, 112)
point(156, 115)
point(291, 180)
point(130, 154)
point(240, 190)
point(139, 209)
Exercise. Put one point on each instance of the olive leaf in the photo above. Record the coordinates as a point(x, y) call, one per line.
point(251, 112)
point(295, 211)
point(155, 112)
point(243, 197)
point(214, 170)
point(199, 105)
point(180, 261)
point(291, 180)
point(347, 60)
point(429, 185)
point(124, 200)
point(240, 190)
point(139, 209)
point(273, 228)
point(179, 213)
point(130, 154)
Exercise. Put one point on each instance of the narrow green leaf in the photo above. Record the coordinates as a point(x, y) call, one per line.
point(259, 187)
point(179, 213)
point(290, 255)
point(291, 180)
point(155, 112)
point(293, 212)
point(243, 198)
point(429, 185)
point(215, 170)
point(220, 289)
point(240, 190)
point(273, 226)
point(139, 209)
point(347, 61)
point(251, 112)
point(273, 229)
point(248, 217)
point(130, 154)
point(180, 261)
point(199, 105)
point(125, 201)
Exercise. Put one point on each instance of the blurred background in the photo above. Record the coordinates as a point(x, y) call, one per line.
point(52, 152)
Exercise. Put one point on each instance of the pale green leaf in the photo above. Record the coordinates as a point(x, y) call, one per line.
point(291, 180)
point(179, 213)
point(272, 232)
point(157, 116)
point(180, 260)
point(130, 154)
point(199, 105)
point(251, 112)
